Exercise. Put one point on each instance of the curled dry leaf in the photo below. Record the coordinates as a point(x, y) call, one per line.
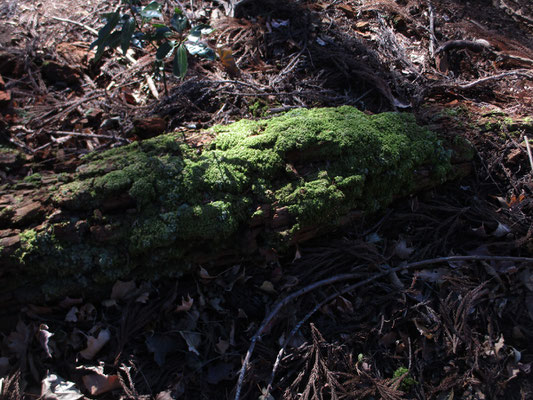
point(161, 345)
point(228, 61)
point(44, 338)
point(185, 304)
point(18, 340)
point(431, 275)
point(98, 384)
point(122, 289)
point(402, 250)
point(87, 312)
point(204, 274)
point(94, 345)
point(54, 387)
point(193, 340)
point(268, 287)
point(222, 346)
point(501, 230)
point(526, 276)
point(142, 298)
point(72, 315)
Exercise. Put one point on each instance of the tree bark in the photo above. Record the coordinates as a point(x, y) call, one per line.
point(159, 207)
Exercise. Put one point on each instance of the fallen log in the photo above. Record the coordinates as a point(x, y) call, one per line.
point(158, 207)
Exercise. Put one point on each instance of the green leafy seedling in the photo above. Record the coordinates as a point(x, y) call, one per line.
point(133, 24)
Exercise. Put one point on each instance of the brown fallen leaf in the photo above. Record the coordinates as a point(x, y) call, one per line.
point(44, 336)
point(228, 62)
point(122, 289)
point(268, 287)
point(98, 384)
point(95, 344)
point(222, 346)
point(185, 304)
point(55, 387)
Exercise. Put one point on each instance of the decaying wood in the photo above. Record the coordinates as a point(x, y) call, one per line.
point(161, 206)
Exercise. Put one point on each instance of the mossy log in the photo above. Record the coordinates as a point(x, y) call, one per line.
point(156, 208)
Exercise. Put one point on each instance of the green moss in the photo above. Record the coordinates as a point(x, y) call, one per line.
point(28, 240)
point(34, 179)
point(407, 382)
point(6, 213)
point(259, 108)
point(318, 163)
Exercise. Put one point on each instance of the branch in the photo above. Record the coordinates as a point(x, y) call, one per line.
point(93, 31)
point(474, 45)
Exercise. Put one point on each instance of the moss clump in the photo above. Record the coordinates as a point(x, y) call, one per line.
point(318, 163)
point(31, 181)
point(407, 382)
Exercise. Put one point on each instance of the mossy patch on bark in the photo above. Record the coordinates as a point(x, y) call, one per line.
point(151, 207)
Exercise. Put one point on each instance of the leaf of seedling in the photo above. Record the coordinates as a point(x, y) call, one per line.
point(179, 67)
point(104, 34)
point(152, 10)
point(162, 32)
point(179, 22)
point(163, 50)
point(128, 26)
point(114, 39)
point(137, 39)
point(200, 49)
point(199, 30)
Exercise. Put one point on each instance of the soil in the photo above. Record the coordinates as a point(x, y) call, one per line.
point(432, 299)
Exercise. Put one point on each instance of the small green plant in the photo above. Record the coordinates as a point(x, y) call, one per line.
point(407, 382)
point(133, 25)
point(259, 108)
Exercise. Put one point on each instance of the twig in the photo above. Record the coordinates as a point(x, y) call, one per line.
point(467, 85)
point(293, 93)
point(66, 111)
point(281, 109)
point(21, 145)
point(151, 86)
point(432, 38)
point(474, 45)
point(89, 135)
point(290, 66)
point(523, 73)
point(529, 152)
point(92, 30)
point(253, 86)
point(343, 277)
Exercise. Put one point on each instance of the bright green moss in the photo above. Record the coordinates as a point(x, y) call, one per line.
point(407, 382)
point(28, 240)
point(34, 179)
point(318, 163)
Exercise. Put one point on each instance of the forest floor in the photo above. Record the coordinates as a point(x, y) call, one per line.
point(447, 327)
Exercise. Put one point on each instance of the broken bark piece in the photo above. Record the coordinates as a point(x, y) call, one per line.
point(9, 159)
point(149, 127)
point(61, 74)
point(155, 208)
point(27, 213)
point(5, 95)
